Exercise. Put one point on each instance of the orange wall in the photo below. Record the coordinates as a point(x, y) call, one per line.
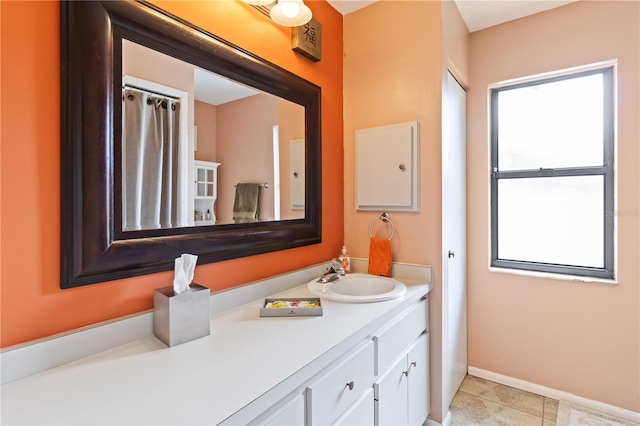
point(32, 305)
point(392, 75)
point(582, 338)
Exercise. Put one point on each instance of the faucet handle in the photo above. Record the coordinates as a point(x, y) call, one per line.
point(336, 265)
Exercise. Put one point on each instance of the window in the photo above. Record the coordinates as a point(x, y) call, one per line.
point(552, 179)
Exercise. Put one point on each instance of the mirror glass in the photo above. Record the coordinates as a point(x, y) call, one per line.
point(199, 149)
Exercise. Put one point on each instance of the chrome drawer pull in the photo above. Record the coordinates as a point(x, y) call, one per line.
point(350, 385)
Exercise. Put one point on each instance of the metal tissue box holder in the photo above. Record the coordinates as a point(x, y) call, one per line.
point(181, 317)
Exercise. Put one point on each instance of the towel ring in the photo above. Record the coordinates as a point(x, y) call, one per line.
point(385, 218)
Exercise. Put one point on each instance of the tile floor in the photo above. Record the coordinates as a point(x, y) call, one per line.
point(481, 402)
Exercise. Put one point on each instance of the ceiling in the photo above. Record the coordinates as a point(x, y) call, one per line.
point(217, 90)
point(477, 14)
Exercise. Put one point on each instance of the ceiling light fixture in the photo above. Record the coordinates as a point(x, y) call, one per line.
point(259, 2)
point(290, 13)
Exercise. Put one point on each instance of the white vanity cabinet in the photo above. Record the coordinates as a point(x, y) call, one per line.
point(382, 381)
point(205, 192)
point(341, 388)
point(290, 414)
point(346, 367)
point(394, 338)
point(361, 413)
point(402, 386)
point(402, 392)
point(418, 381)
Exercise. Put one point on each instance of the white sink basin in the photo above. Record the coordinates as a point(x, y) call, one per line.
point(358, 288)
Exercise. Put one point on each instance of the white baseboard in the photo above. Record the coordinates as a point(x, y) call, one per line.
point(555, 394)
point(445, 422)
point(447, 419)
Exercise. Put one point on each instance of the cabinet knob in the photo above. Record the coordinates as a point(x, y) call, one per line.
point(402, 167)
point(350, 385)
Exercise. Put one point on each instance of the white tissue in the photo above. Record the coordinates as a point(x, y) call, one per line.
point(184, 269)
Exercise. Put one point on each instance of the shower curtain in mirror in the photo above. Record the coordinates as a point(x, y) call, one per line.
point(153, 167)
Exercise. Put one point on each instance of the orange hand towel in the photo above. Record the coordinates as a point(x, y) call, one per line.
point(380, 257)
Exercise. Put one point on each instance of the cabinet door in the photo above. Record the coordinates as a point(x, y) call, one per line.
point(201, 182)
point(387, 167)
point(391, 395)
point(418, 375)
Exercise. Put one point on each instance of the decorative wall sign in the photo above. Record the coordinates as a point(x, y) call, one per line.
point(307, 40)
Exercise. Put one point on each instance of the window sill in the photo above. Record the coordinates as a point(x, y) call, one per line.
point(552, 276)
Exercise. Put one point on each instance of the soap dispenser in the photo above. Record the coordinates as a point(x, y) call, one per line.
point(346, 260)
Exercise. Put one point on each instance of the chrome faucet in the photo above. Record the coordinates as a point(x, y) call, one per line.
point(335, 271)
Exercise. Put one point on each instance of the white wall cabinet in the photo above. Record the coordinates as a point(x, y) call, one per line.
point(205, 192)
point(387, 167)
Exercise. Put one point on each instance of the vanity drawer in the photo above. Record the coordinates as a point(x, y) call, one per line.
point(341, 388)
point(362, 413)
point(394, 338)
point(292, 413)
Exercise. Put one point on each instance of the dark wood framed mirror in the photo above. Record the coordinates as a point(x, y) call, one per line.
point(94, 247)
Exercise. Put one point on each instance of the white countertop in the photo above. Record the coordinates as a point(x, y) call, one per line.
point(200, 382)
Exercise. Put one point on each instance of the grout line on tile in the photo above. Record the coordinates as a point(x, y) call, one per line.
point(505, 405)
